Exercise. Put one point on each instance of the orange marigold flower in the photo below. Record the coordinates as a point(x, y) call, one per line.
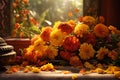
point(81, 29)
point(30, 56)
point(70, 14)
point(26, 11)
point(71, 43)
point(32, 20)
point(66, 55)
point(76, 10)
point(89, 38)
point(75, 61)
point(101, 19)
point(113, 55)
point(65, 27)
point(80, 19)
point(45, 34)
point(101, 53)
point(14, 5)
point(89, 20)
point(101, 30)
point(26, 1)
point(57, 37)
point(17, 25)
point(86, 51)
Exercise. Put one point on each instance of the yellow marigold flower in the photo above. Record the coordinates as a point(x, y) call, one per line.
point(101, 30)
point(86, 51)
point(38, 44)
point(35, 70)
point(51, 52)
point(74, 76)
point(47, 67)
point(30, 48)
point(89, 20)
point(57, 23)
point(81, 29)
point(41, 53)
point(72, 22)
point(101, 53)
point(89, 65)
point(57, 37)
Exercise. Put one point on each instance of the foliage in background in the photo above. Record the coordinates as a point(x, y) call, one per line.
point(31, 15)
point(25, 25)
point(51, 11)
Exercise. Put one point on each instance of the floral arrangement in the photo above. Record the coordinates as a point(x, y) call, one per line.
point(77, 43)
point(25, 25)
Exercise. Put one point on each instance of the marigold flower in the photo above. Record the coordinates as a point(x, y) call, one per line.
point(89, 20)
point(38, 44)
point(101, 30)
point(71, 43)
point(65, 27)
point(45, 34)
point(66, 55)
point(34, 39)
point(86, 51)
point(14, 5)
point(26, 11)
point(71, 22)
point(80, 19)
point(30, 56)
point(57, 37)
point(101, 19)
point(81, 29)
point(114, 30)
point(113, 55)
point(17, 25)
point(70, 14)
point(57, 23)
point(41, 53)
point(75, 61)
point(89, 38)
point(47, 67)
point(26, 1)
point(32, 20)
point(51, 52)
point(89, 65)
point(101, 53)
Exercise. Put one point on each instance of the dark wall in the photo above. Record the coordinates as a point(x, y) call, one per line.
point(5, 12)
point(110, 9)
